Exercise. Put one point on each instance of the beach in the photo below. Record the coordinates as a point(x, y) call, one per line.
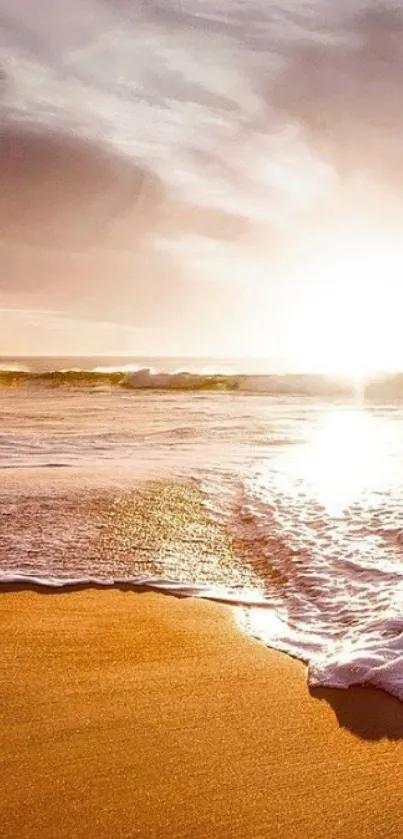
point(132, 714)
point(130, 711)
point(201, 420)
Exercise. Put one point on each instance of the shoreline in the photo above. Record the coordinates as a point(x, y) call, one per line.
point(129, 714)
point(169, 588)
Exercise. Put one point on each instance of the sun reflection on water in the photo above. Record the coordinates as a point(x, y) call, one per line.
point(344, 459)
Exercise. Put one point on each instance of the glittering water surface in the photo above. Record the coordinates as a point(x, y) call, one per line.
point(293, 503)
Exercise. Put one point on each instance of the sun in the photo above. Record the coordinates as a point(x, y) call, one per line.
point(346, 319)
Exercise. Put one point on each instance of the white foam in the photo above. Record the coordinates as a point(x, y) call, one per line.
point(121, 368)
point(318, 520)
point(173, 587)
point(374, 657)
point(11, 367)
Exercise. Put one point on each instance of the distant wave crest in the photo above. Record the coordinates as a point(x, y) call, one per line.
point(145, 378)
point(148, 379)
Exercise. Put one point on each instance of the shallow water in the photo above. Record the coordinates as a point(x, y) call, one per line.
point(294, 504)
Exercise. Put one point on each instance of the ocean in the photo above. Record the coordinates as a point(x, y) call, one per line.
point(280, 495)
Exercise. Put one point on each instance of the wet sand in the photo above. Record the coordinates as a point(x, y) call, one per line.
point(141, 715)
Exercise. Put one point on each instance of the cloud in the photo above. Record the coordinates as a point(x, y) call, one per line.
point(62, 192)
point(188, 90)
point(54, 332)
point(147, 147)
point(343, 90)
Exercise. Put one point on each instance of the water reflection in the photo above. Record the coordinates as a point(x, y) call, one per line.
point(345, 458)
point(322, 506)
point(347, 455)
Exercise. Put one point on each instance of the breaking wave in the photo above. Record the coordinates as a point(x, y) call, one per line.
point(148, 379)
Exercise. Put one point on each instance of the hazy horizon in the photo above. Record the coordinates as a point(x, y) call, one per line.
point(204, 365)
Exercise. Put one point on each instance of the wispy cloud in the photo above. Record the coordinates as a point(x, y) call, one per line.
point(52, 331)
point(276, 116)
point(169, 83)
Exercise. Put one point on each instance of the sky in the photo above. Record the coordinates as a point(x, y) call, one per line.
point(203, 177)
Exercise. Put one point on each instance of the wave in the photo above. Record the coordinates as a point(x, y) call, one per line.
point(173, 587)
point(13, 368)
point(375, 659)
point(147, 379)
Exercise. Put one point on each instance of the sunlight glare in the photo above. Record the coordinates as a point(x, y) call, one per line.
point(266, 623)
point(344, 458)
point(346, 319)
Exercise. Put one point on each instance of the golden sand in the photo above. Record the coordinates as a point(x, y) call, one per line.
point(140, 715)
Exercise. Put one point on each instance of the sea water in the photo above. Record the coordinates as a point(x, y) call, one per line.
point(290, 505)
